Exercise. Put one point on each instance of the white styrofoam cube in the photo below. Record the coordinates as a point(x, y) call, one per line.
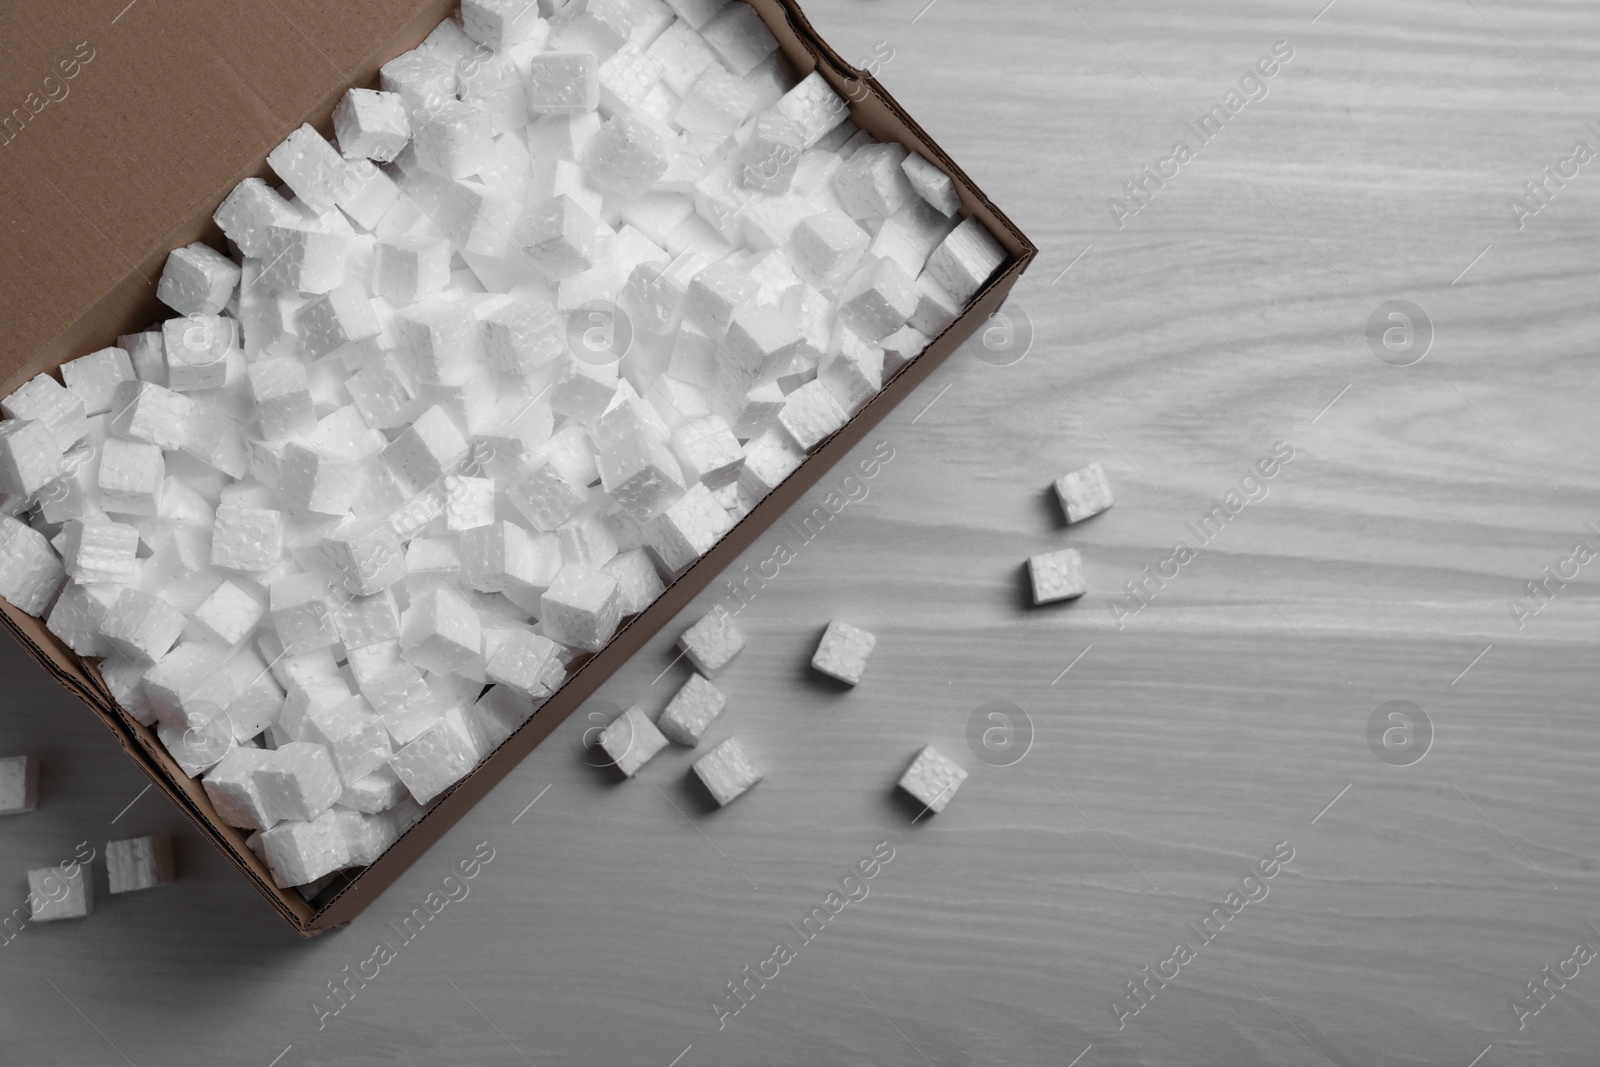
point(526, 662)
point(559, 236)
point(30, 571)
point(298, 852)
point(1057, 576)
point(19, 785)
point(563, 83)
point(140, 863)
point(1084, 492)
point(311, 167)
point(687, 529)
point(353, 735)
point(711, 643)
point(438, 339)
point(522, 334)
point(932, 778)
point(366, 555)
point(371, 124)
point(815, 107)
point(30, 458)
point(502, 24)
point(46, 400)
point(965, 260)
point(75, 619)
point(303, 257)
point(630, 740)
point(827, 247)
point(281, 387)
point(853, 373)
point(691, 711)
point(871, 184)
point(250, 211)
point(440, 631)
point(247, 538)
point(453, 139)
point(740, 37)
point(94, 378)
point(714, 294)
point(697, 12)
point(199, 747)
point(727, 772)
point(547, 497)
point(385, 393)
point(936, 308)
point(768, 460)
point(141, 626)
point(301, 610)
point(932, 184)
point(810, 415)
point(683, 55)
point(708, 451)
point(298, 780)
point(627, 77)
point(227, 617)
point(231, 786)
point(842, 653)
point(434, 761)
point(56, 893)
point(144, 411)
point(130, 477)
point(638, 583)
point(627, 155)
point(716, 102)
point(310, 484)
point(502, 557)
point(879, 300)
point(421, 80)
point(427, 449)
point(411, 267)
point(197, 280)
point(99, 551)
point(772, 154)
point(336, 319)
point(374, 793)
point(580, 608)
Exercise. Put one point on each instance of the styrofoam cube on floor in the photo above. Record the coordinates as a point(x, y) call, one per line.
point(94, 378)
point(1084, 492)
point(711, 643)
point(54, 893)
point(371, 124)
point(692, 710)
point(140, 863)
point(932, 778)
point(630, 741)
point(1057, 576)
point(19, 784)
point(141, 626)
point(581, 608)
point(46, 400)
point(727, 772)
point(433, 762)
point(842, 653)
point(30, 570)
point(197, 280)
point(965, 260)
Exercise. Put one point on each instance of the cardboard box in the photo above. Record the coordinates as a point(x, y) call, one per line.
point(125, 137)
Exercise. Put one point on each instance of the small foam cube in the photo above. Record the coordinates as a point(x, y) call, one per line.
point(580, 608)
point(131, 476)
point(740, 37)
point(30, 570)
point(368, 620)
point(932, 778)
point(697, 12)
point(501, 24)
point(298, 780)
point(227, 616)
point(627, 77)
point(560, 237)
point(94, 378)
point(30, 458)
point(434, 761)
point(683, 55)
point(522, 335)
point(631, 739)
point(144, 411)
point(687, 529)
point(727, 771)
point(827, 247)
point(932, 184)
point(142, 627)
point(716, 104)
point(1057, 576)
point(371, 125)
point(46, 400)
point(367, 555)
point(197, 280)
point(814, 107)
point(310, 166)
point(638, 584)
point(711, 643)
point(440, 632)
point(282, 390)
point(810, 414)
point(19, 785)
point(627, 155)
point(453, 140)
point(427, 449)
point(54, 893)
point(336, 319)
point(714, 294)
point(140, 863)
point(842, 653)
point(231, 786)
point(1084, 492)
point(563, 83)
point(526, 662)
point(879, 300)
point(301, 257)
point(298, 852)
point(301, 613)
point(708, 451)
point(99, 551)
point(692, 710)
point(411, 267)
point(356, 738)
point(247, 538)
point(772, 155)
point(965, 260)
point(249, 213)
point(871, 184)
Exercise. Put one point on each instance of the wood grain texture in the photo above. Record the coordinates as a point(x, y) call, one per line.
point(1220, 720)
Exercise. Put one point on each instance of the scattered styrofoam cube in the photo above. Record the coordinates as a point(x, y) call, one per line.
point(727, 772)
point(153, 414)
point(19, 784)
point(250, 211)
point(197, 280)
point(842, 653)
point(99, 551)
point(932, 778)
point(711, 643)
point(965, 260)
point(30, 457)
point(94, 378)
point(371, 125)
point(1084, 492)
point(630, 740)
point(311, 166)
point(692, 710)
point(140, 863)
point(55, 893)
point(30, 570)
point(46, 400)
point(1057, 576)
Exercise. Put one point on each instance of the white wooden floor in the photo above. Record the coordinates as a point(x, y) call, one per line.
point(1231, 714)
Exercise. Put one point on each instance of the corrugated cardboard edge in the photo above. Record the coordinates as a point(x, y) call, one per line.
point(872, 109)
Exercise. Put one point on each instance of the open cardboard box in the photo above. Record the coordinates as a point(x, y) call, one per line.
point(126, 157)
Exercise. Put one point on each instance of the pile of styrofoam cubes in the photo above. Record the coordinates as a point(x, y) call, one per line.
point(439, 425)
